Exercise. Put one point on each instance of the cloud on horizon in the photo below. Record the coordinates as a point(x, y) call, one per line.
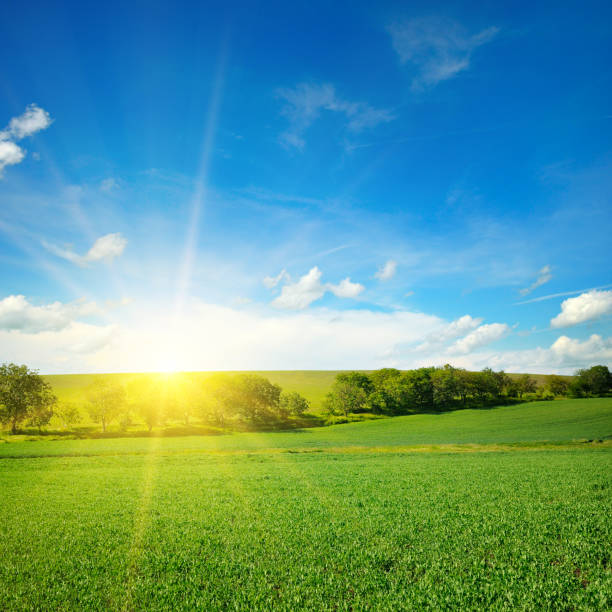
point(213, 337)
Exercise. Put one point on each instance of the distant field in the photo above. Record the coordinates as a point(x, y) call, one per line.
point(312, 384)
point(475, 509)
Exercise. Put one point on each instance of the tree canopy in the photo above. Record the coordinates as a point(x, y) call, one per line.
point(24, 394)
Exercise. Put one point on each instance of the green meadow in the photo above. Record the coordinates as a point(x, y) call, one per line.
point(501, 508)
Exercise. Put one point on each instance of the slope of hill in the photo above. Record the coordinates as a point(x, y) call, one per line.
point(563, 420)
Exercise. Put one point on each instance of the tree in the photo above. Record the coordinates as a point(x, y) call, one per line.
point(356, 379)
point(292, 404)
point(217, 403)
point(445, 385)
point(390, 393)
point(106, 399)
point(145, 396)
point(256, 398)
point(558, 385)
point(67, 413)
point(526, 384)
point(24, 394)
point(348, 394)
point(420, 390)
point(596, 380)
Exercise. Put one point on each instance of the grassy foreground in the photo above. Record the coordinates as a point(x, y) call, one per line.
point(338, 518)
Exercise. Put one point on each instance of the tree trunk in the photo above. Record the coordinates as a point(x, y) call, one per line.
point(14, 426)
point(103, 425)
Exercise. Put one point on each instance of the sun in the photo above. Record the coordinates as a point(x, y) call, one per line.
point(168, 364)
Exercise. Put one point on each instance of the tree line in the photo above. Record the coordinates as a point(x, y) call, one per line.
point(222, 400)
point(232, 401)
point(394, 392)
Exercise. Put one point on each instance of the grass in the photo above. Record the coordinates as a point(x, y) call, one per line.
point(476, 509)
point(535, 421)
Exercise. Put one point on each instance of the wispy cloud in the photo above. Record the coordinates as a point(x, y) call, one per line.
point(544, 276)
point(31, 121)
point(309, 289)
point(305, 103)
point(586, 307)
point(438, 48)
point(271, 281)
point(561, 294)
point(104, 248)
point(109, 184)
point(387, 271)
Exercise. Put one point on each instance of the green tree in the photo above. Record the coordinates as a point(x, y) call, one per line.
point(445, 385)
point(292, 404)
point(420, 391)
point(255, 397)
point(558, 385)
point(68, 413)
point(596, 380)
point(526, 384)
point(348, 393)
point(106, 401)
point(24, 394)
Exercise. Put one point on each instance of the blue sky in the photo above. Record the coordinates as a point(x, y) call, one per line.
point(312, 185)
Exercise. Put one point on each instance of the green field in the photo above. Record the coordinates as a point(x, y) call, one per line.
point(503, 508)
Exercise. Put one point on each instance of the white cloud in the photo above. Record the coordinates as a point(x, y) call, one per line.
point(16, 313)
point(544, 275)
point(301, 294)
point(449, 331)
point(438, 48)
point(572, 349)
point(33, 120)
point(212, 337)
point(387, 271)
point(104, 248)
point(271, 281)
point(346, 288)
point(586, 307)
point(481, 336)
point(308, 289)
point(564, 356)
point(10, 154)
point(306, 102)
